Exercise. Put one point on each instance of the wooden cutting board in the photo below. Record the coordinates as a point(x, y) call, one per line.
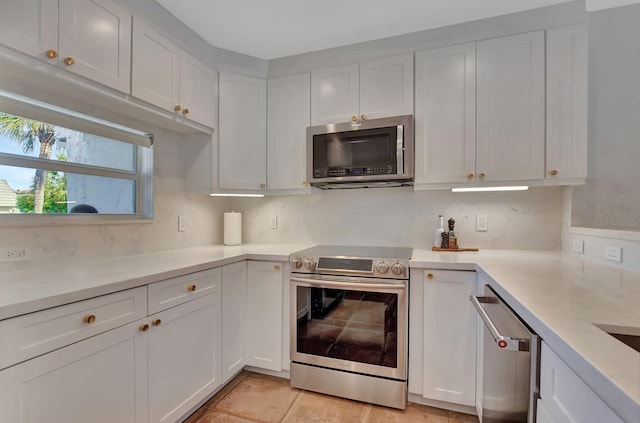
point(454, 249)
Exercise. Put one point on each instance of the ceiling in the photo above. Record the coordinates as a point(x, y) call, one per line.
point(279, 28)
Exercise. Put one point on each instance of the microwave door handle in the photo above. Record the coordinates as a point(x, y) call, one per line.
point(345, 285)
point(503, 342)
point(400, 150)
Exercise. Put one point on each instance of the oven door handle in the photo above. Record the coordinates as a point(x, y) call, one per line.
point(346, 285)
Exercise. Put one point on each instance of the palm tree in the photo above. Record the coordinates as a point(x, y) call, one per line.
point(27, 132)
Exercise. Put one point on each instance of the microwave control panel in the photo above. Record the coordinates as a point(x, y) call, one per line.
point(353, 171)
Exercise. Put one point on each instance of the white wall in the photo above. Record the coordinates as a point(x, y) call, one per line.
point(606, 210)
point(610, 199)
point(401, 217)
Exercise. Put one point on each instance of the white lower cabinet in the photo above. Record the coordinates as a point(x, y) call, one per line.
point(234, 292)
point(264, 313)
point(564, 397)
point(442, 339)
point(449, 337)
point(184, 351)
point(101, 379)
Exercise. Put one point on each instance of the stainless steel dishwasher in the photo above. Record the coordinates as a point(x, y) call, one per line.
point(511, 356)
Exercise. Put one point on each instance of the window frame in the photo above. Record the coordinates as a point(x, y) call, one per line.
point(142, 175)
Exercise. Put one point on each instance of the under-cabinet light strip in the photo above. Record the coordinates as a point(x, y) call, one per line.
point(485, 189)
point(236, 195)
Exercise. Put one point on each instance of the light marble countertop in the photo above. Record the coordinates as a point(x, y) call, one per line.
point(561, 296)
point(30, 290)
point(558, 294)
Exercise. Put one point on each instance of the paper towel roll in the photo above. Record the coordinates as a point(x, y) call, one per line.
point(232, 228)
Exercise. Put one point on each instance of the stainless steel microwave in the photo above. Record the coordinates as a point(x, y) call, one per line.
point(376, 152)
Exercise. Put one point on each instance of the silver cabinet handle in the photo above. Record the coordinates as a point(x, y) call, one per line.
point(503, 342)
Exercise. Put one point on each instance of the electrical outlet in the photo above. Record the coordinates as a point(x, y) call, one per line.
point(614, 253)
point(578, 246)
point(182, 223)
point(482, 223)
point(273, 222)
point(15, 254)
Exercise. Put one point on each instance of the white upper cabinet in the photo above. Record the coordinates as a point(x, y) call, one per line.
point(91, 38)
point(242, 148)
point(567, 103)
point(335, 94)
point(510, 138)
point(197, 89)
point(30, 26)
point(95, 41)
point(165, 75)
point(288, 108)
point(445, 118)
point(386, 87)
point(372, 89)
point(155, 74)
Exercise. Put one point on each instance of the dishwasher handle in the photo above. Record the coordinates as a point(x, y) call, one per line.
point(503, 342)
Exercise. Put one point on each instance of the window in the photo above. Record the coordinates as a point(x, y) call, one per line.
point(70, 166)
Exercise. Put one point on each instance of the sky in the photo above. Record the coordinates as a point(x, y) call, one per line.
point(17, 177)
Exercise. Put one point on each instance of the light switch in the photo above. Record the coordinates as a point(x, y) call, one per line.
point(273, 222)
point(182, 223)
point(578, 246)
point(482, 223)
point(614, 253)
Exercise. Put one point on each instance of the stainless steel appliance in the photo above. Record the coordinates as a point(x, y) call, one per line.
point(349, 322)
point(511, 362)
point(369, 153)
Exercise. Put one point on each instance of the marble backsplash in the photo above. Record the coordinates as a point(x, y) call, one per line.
point(385, 216)
point(530, 220)
point(51, 244)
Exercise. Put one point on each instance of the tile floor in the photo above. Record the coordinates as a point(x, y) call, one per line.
point(257, 398)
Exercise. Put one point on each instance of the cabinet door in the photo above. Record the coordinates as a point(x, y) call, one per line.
point(30, 26)
point(242, 136)
point(445, 118)
point(101, 379)
point(288, 106)
point(184, 357)
point(449, 366)
point(566, 103)
point(335, 94)
point(386, 87)
point(234, 293)
point(510, 108)
point(568, 398)
point(155, 68)
point(96, 36)
point(197, 90)
point(264, 315)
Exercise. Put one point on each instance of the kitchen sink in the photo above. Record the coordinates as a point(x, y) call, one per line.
point(629, 336)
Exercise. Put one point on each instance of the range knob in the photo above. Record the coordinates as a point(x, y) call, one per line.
point(397, 268)
point(382, 267)
point(296, 262)
point(309, 264)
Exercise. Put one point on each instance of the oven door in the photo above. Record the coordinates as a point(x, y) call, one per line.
point(362, 329)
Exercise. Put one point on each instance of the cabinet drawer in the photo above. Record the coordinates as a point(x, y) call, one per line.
point(171, 292)
point(34, 334)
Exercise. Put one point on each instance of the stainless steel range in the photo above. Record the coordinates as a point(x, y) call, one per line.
point(349, 322)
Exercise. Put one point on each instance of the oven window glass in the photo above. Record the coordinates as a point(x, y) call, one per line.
point(359, 149)
point(349, 325)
